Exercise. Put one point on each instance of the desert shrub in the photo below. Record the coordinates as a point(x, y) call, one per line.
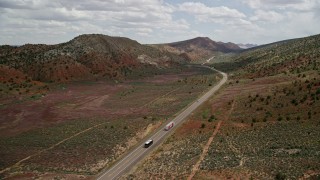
point(203, 125)
point(294, 102)
point(265, 119)
point(280, 176)
point(254, 120)
point(212, 117)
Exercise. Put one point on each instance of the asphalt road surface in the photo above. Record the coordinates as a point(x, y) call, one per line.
point(131, 159)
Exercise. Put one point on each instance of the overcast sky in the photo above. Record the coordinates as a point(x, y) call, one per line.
point(158, 21)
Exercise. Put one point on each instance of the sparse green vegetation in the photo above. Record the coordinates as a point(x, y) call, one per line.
point(272, 131)
point(140, 106)
point(289, 57)
point(205, 114)
point(269, 111)
point(264, 153)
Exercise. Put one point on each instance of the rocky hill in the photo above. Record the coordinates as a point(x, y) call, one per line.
point(198, 48)
point(84, 57)
point(290, 56)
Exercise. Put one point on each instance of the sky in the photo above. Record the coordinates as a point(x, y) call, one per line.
point(158, 21)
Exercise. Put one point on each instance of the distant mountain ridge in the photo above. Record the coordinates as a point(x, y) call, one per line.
point(198, 48)
point(207, 43)
point(84, 57)
point(247, 46)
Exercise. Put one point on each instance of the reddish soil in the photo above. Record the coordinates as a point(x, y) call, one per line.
point(168, 77)
point(74, 102)
point(188, 127)
point(50, 176)
point(204, 152)
point(95, 104)
point(207, 146)
point(258, 85)
point(70, 101)
point(223, 174)
point(232, 95)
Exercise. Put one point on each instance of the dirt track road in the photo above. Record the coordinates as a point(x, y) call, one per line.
point(137, 154)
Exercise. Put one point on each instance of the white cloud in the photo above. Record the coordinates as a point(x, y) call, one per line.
point(292, 25)
point(227, 17)
point(307, 5)
point(267, 16)
point(300, 24)
point(205, 13)
point(128, 17)
point(152, 21)
point(303, 5)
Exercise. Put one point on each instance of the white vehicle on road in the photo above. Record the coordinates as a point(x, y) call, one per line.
point(169, 126)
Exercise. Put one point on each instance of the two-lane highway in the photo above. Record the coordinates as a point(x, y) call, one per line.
point(140, 152)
